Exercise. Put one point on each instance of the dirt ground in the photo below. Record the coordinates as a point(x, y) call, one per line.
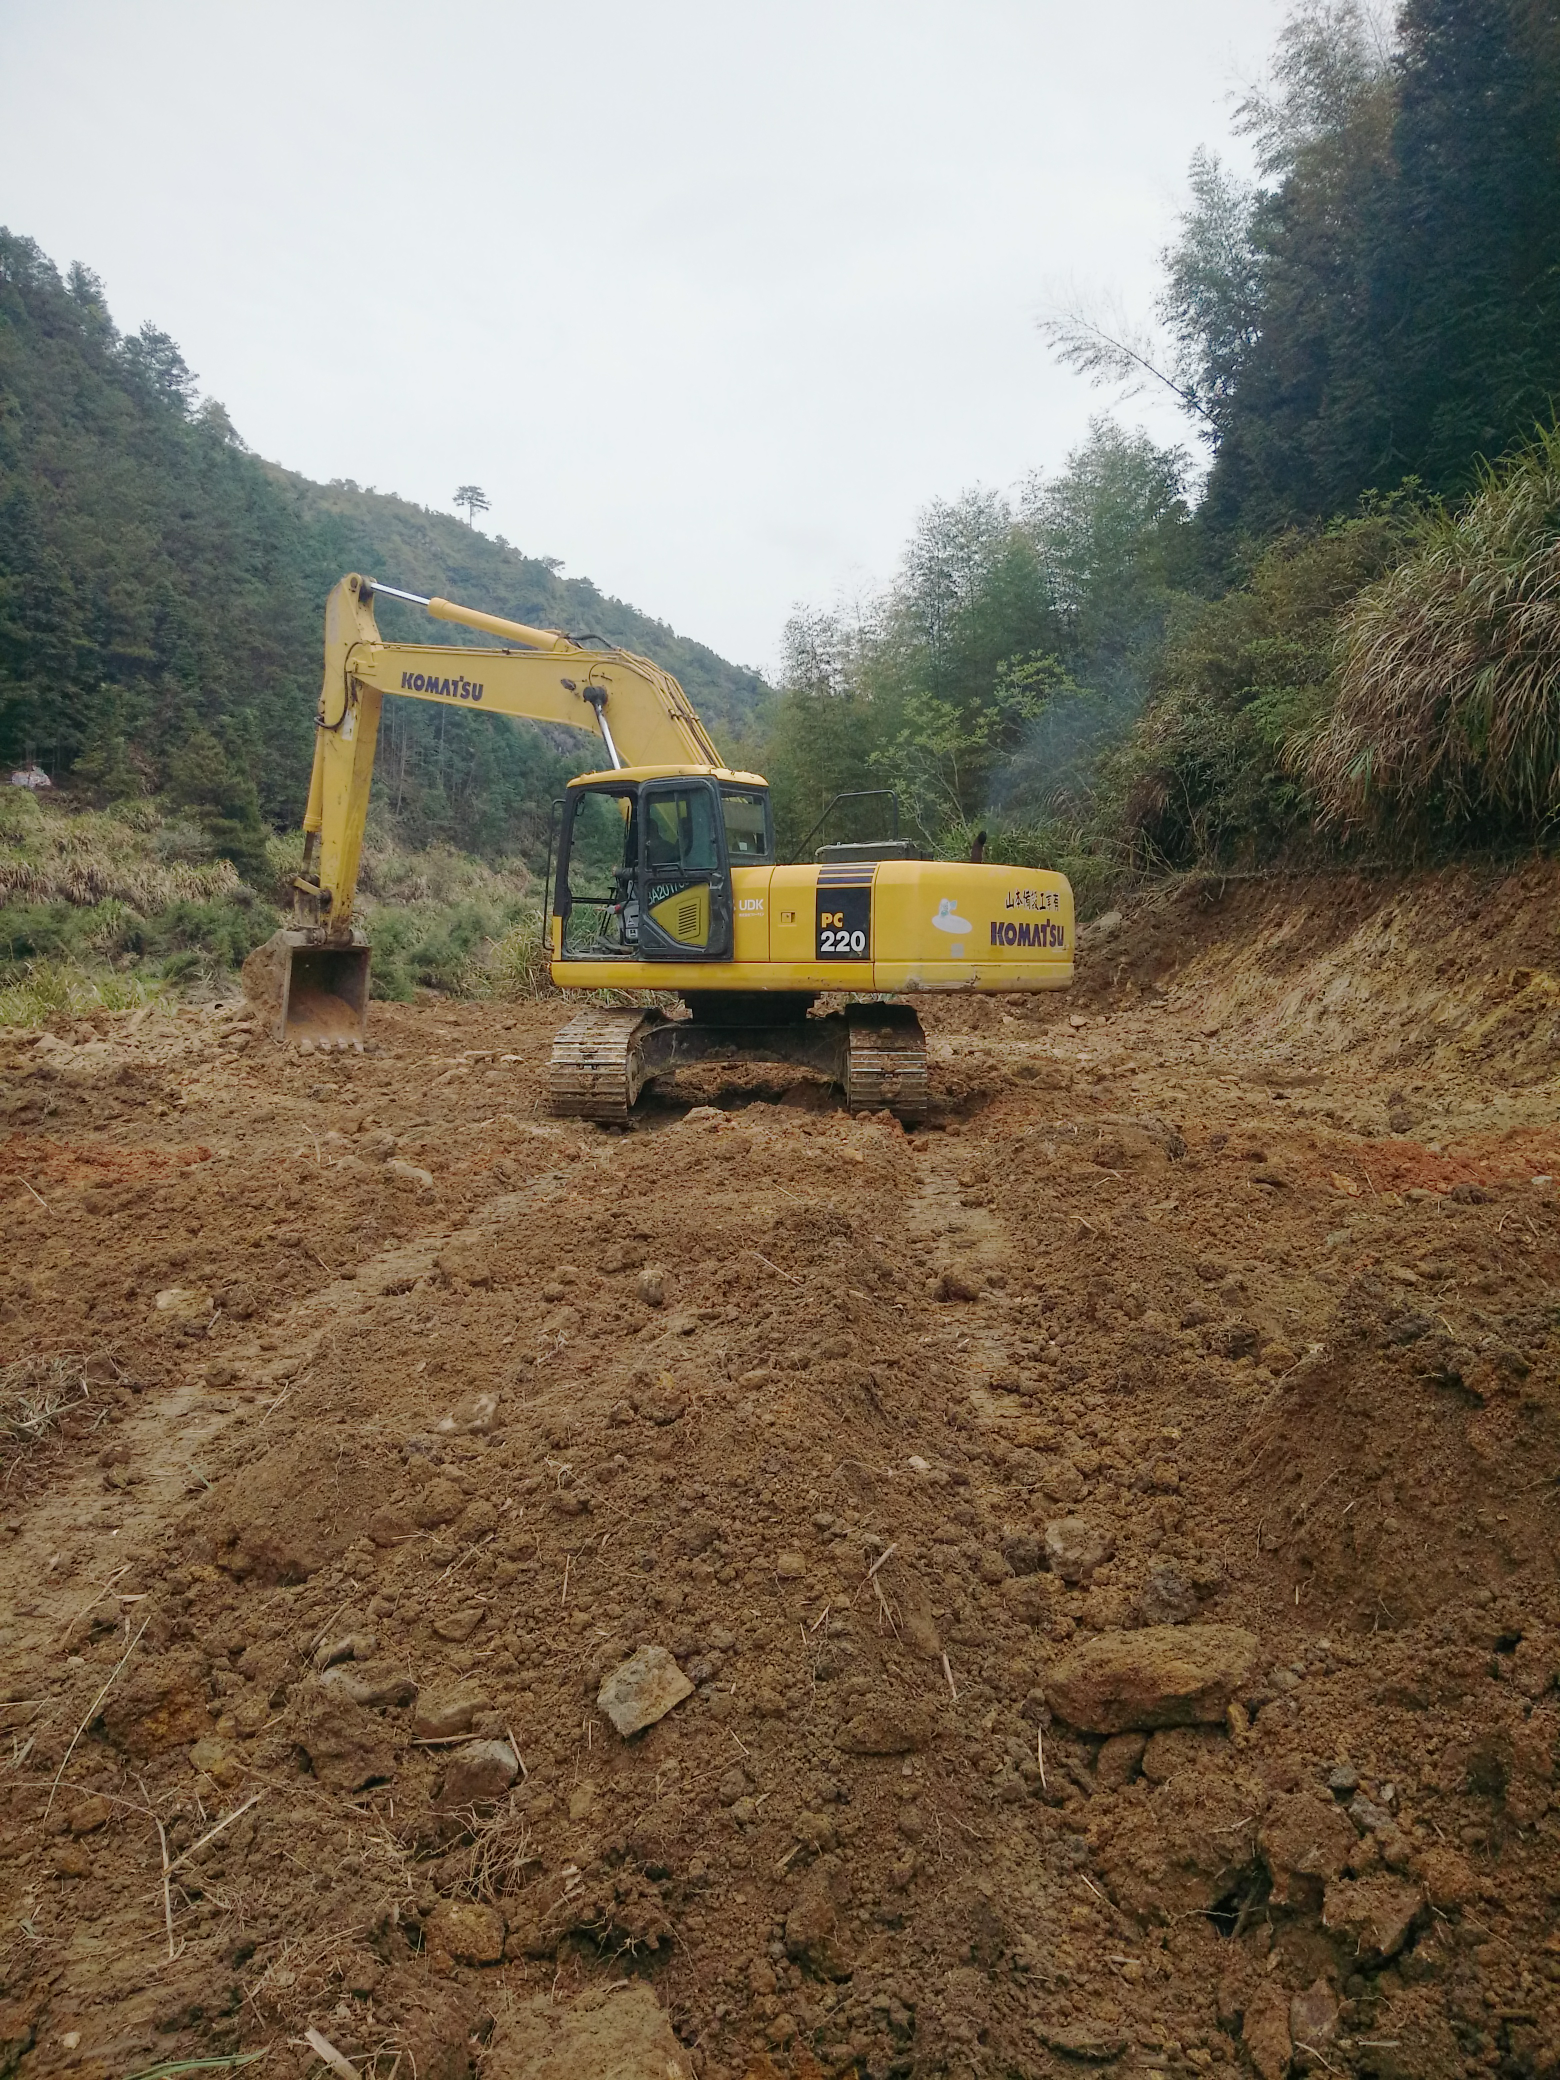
point(1107, 1538)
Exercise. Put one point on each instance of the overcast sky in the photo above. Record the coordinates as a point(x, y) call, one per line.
point(710, 299)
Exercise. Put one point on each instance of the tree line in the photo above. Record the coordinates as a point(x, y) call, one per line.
point(1136, 663)
point(162, 592)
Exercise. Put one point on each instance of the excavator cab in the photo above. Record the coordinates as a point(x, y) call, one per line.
point(644, 865)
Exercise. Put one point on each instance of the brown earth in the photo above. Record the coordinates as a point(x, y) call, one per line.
point(1110, 1536)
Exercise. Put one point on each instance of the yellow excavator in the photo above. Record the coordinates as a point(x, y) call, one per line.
point(666, 880)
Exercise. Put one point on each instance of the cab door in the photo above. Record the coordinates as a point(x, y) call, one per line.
point(684, 873)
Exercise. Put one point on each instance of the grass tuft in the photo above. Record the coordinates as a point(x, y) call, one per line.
point(1447, 714)
point(37, 1395)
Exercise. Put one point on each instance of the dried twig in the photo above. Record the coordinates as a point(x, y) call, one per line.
point(212, 1832)
point(91, 1715)
point(325, 2049)
point(948, 1672)
point(515, 1748)
point(775, 1267)
point(167, 1872)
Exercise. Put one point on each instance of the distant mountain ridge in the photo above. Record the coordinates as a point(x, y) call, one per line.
point(426, 551)
point(162, 592)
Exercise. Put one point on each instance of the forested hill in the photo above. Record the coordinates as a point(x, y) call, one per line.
point(162, 587)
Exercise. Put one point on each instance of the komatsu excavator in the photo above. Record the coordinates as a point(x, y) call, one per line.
point(666, 881)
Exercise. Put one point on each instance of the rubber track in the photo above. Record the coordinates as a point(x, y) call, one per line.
point(594, 1072)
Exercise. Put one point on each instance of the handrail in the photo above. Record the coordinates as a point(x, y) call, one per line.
point(858, 794)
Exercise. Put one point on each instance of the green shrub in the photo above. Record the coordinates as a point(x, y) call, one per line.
point(434, 945)
point(1206, 773)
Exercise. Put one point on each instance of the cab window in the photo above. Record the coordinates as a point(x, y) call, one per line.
point(680, 831)
point(747, 824)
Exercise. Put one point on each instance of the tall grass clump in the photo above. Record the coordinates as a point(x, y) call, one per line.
point(1447, 715)
point(33, 992)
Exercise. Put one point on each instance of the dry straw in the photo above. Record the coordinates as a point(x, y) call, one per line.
point(1448, 707)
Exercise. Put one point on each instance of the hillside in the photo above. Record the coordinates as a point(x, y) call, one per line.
point(161, 590)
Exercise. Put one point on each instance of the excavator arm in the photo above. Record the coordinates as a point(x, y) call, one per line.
point(641, 714)
point(313, 980)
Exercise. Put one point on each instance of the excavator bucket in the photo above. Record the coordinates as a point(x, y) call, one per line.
point(310, 992)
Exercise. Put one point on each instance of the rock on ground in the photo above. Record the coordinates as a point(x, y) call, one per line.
point(643, 1689)
point(1166, 1675)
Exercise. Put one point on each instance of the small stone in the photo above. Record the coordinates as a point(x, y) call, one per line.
point(1076, 1546)
point(1023, 1553)
point(184, 1310)
point(1167, 1597)
point(460, 1624)
point(72, 1860)
point(791, 1567)
point(476, 1417)
point(217, 1761)
point(1313, 2017)
point(410, 1175)
point(642, 1689)
point(955, 1284)
point(90, 1815)
point(1166, 1675)
point(350, 1646)
point(370, 1684)
point(444, 1714)
point(479, 1773)
point(1119, 1760)
point(1344, 1781)
point(465, 1930)
point(651, 1286)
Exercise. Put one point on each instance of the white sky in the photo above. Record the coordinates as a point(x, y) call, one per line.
point(710, 299)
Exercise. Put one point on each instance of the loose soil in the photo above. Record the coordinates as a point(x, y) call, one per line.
point(359, 1419)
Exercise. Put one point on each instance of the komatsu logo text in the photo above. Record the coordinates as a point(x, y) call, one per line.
point(446, 689)
point(1027, 934)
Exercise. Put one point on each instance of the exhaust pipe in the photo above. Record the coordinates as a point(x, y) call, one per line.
point(312, 993)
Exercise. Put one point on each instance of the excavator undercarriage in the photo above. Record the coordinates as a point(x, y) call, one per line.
point(604, 1056)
